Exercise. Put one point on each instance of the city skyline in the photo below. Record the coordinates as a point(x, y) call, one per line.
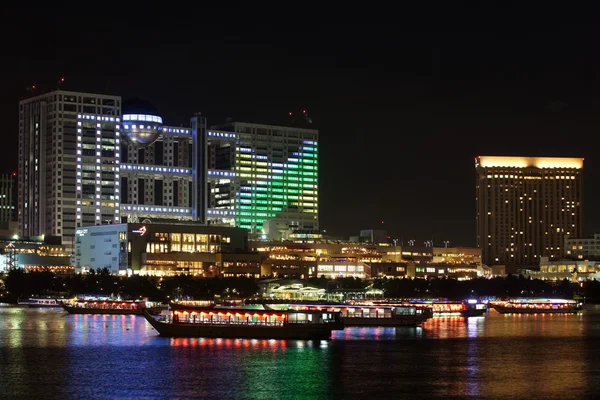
point(398, 131)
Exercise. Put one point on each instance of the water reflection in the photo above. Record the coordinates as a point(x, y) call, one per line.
point(98, 330)
point(45, 353)
point(32, 327)
point(270, 344)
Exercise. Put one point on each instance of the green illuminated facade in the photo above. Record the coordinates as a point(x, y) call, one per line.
point(263, 178)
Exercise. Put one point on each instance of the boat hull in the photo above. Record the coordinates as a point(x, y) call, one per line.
point(472, 312)
point(289, 331)
point(514, 310)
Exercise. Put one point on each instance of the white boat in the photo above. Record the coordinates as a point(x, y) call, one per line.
point(537, 306)
point(40, 302)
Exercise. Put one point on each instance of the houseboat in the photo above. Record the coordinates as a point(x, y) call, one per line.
point(537, 306)
point(39, 302)
point(245, 323)
point(111, 307)
point(190, 304)
point(373, 315)
point(441, 308)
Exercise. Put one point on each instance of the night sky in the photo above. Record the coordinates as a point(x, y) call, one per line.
point(403, 99)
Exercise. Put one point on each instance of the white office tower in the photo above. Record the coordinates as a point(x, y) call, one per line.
point(68, 163)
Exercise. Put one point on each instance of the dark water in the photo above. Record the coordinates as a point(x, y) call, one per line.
point(45, 354)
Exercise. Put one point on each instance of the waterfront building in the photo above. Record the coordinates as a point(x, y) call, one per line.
point(263, 178)
point(165, 249)
point(526, 206)
point(286, 289)
point(558, 270)
point(365, 260)
point(583, 248)
point(34, 254)
point(89, 159)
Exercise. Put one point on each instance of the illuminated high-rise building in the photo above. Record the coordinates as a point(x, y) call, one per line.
point(526, 206)
point(68, 155)
point(162, 167)
point(87, 159)
point(263, 178)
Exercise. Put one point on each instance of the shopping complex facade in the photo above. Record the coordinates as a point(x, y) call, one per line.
point(210, 251)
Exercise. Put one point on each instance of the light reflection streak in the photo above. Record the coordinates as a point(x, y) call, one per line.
point(270, 344)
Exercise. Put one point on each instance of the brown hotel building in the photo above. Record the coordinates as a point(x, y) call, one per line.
point(526, 206)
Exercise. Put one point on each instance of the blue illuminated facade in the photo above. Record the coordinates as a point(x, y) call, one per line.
point(158, 167)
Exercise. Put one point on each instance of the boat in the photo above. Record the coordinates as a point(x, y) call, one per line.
point(191, 304)
point(440, 308)
point(537, 306)
point(111, 307)
point(40, 302)
point(352, 315)
point(245, 323)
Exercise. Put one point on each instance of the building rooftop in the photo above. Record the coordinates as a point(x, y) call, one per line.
point(524, 162)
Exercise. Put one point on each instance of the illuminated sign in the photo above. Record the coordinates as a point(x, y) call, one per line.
point(141, 231)
point(81, 232)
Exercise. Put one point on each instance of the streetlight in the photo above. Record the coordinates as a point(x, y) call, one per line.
point(446, 243)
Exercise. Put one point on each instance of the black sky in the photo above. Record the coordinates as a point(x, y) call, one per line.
point(404, 99)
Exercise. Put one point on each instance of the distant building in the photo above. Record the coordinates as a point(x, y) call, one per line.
point(8, 197)
point(263, 178)
point(89, 159)
point(373, 236)
point(34, 254)
point(8, 205)
point(526, 206)
point(165, 250)
point(52, 162)
point(364, 260)
point(583, 248)
point(573, 270)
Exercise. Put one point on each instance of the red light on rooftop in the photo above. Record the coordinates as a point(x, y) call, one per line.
point(62, 79)
point(14, 174)
point(290, 114)
point(304, 111)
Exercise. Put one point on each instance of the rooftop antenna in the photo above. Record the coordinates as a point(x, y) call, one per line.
point(31, 89)
point(303, 115)
point(306, 117)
